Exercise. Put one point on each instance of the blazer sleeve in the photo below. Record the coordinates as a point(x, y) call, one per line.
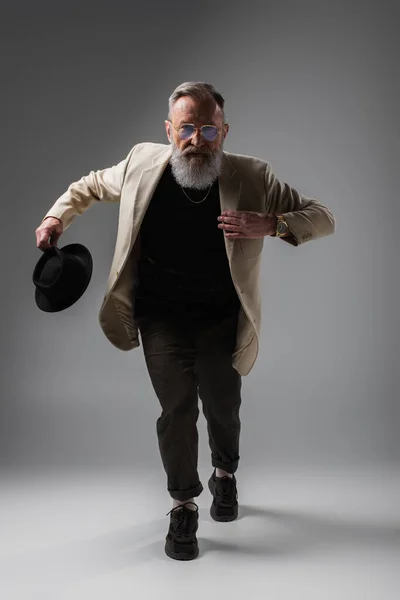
point(97, 186)
point(306, 217)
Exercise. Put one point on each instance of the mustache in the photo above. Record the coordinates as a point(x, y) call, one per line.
point(192, 151)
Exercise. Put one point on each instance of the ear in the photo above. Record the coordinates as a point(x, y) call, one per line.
point(167, 129)
point(226, 130)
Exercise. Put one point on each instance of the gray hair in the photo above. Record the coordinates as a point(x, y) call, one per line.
point(199, 90)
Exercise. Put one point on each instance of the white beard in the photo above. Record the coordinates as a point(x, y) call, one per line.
point(196, 172)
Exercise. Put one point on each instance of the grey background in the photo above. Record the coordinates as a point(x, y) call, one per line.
point(311, 87)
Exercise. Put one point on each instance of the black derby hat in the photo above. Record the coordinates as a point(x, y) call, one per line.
point(61, 276)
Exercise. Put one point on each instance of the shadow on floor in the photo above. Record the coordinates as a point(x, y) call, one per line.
point(271, 533)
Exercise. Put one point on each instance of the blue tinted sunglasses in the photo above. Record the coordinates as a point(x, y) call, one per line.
point(186, 131)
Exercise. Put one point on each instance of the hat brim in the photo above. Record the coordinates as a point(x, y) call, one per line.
point(83, 253)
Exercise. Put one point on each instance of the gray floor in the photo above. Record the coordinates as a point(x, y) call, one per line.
point(300, 534)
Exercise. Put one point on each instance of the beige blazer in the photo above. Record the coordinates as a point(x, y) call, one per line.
point(245, 183)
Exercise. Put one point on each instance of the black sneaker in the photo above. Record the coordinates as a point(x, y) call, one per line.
point(225, 502)
point(181, 541)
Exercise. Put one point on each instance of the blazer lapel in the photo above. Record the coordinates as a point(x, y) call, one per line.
point(147, 184)
point(229, 193)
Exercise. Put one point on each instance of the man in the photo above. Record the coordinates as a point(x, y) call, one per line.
point(185, 273)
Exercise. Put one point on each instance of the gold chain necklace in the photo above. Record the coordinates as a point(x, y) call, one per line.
point(199, 201)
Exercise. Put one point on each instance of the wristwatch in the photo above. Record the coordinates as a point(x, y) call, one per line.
point(281, 226)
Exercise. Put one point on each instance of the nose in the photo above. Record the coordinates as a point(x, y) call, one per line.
point(197, 139)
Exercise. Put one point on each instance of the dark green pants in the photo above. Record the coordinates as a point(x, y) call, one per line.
point(187, 360)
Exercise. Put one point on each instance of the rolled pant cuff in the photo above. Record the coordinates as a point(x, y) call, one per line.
point(183, 495)
point(228, 467)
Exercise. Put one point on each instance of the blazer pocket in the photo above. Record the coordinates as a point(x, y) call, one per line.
point(251, 248)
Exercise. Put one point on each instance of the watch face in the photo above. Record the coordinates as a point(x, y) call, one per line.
point(282, 227)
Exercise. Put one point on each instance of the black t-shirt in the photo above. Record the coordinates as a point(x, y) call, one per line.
point(183, 269)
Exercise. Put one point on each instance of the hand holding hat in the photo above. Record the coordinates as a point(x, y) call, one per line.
point(61, 276)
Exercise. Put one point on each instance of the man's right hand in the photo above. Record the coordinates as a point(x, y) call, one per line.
point(48, 233)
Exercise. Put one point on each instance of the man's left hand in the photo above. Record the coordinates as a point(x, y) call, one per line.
point(246, 224)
